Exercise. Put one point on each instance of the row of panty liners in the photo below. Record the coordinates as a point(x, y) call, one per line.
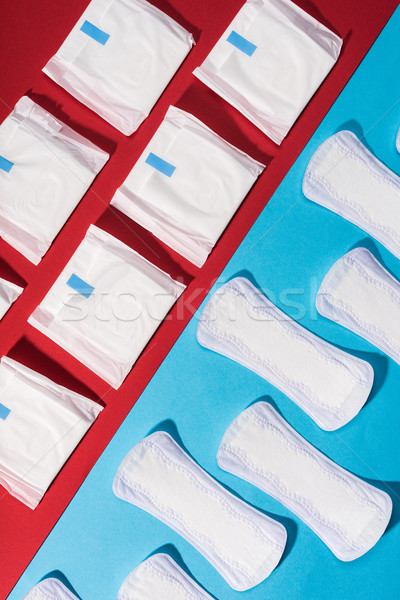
point(9, 292)
point(330, 385)
point(270, 62)
point(243, 544)
point(118, 59)
point(156, 578)
point(187, 185)
point(41, 423)
point(358, 292)
point(121, 54)
point(105, 305)
point(45, 169)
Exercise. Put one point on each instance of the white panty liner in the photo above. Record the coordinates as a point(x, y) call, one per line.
point(9, 292)
point(50, 589)
point(348, 514)
point(358, 293)
point(159, 577)
point(398, 141)
point(269, 63)
point(243, 544)
point(189, 209)
point(330, 385)
point(346, 178)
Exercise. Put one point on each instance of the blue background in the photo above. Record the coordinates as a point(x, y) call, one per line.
point(196, 394)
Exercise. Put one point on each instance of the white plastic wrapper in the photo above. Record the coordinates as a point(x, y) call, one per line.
point(45, 170)
point(187, 185)
point(106, 305)
point(41, 423)
point(9, 292)
point(243, 544)
point(345, 177)
point(358, 293)
point(160, 577)
point(50, 589)
point(119, 58)
point(330, 385)
point(347, 513)
point(270, 62)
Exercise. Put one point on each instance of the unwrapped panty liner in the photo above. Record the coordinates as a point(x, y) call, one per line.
point(41, 423)
point(119, 58)
point(9, 292)
point(348, 514)
point(159, 577)
point(345, 177)
point(269, 63)
point(45, 169)
point(358, 293)
point(330, 385)
point(243, 544)
point(187, 185)
point(106, 305)
point(398, 141)
point(50, 589)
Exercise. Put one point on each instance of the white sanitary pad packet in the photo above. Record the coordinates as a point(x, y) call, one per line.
point(45, 169)
point(106, 305)
point(270, 62)
point(159, 577)
point(358, 293)
point(187, 185)
point(9, 292)
point(330, 385)
point(119, 58)
point(243, 544)
point(50, 589)
point(345, 177)
point(347, 513)
point(41, 423)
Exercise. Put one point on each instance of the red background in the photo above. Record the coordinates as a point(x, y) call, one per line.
point(30, 33)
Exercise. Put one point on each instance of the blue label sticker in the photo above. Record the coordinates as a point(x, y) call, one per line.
point(5, 165)
point(161, 165)
point(95, 33)
point(241, 43)
point(80, 286)
point(4, 411)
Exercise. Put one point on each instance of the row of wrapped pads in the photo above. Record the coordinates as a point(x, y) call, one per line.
point(108, 301)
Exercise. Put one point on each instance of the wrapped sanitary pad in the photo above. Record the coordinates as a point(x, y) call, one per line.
point(187, 185)
point(41, 423)
point(9, 292)
point(119, 58)
point(270, 62)
point(45, 170)
point(106, 305)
